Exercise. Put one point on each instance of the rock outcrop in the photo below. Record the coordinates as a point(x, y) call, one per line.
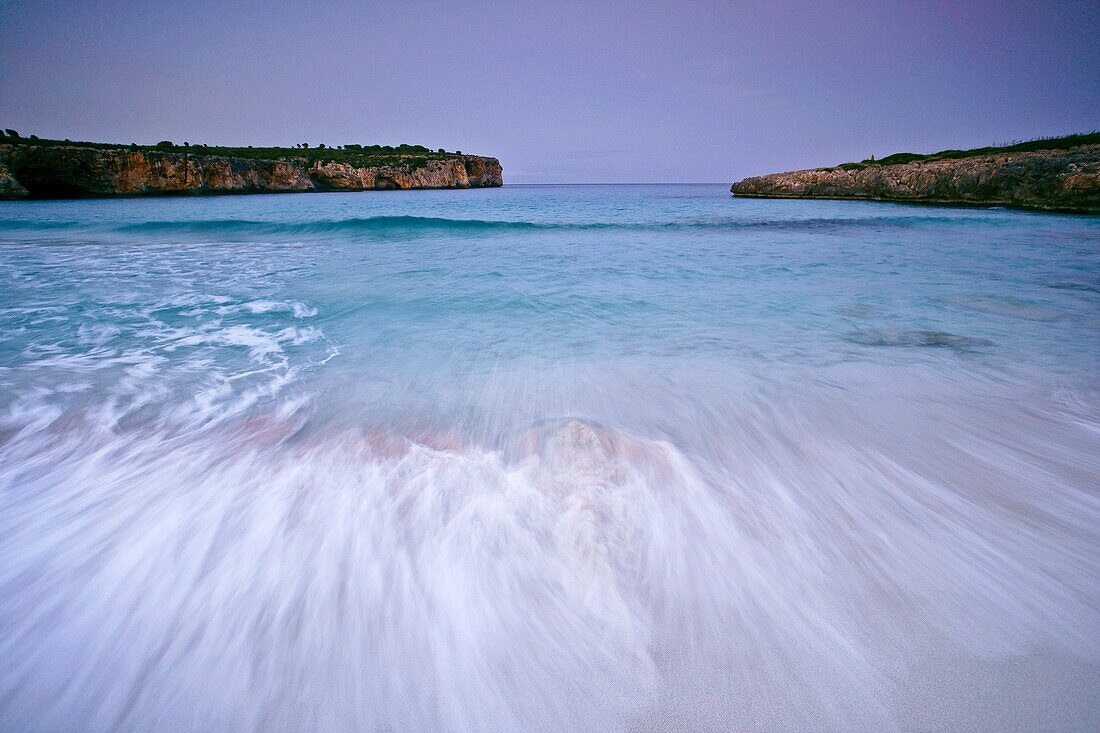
point(460, 172)
point(1046, 180)
point(44, 171)
point(9, 187)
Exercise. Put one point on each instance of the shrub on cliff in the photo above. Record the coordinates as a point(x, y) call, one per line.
point(405, 155)
point(1041, 143)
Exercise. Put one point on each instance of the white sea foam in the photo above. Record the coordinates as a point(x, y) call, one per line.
point(574, 576)
point(295, 307)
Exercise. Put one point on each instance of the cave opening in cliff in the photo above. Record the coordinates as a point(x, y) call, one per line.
point(42, 184)
point(55, 190)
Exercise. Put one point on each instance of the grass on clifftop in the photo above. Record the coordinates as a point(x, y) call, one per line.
point(1040, 143)
point(374, 155)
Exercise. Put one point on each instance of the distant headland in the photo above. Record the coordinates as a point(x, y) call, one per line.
point(35, 168)
point(1048, 174)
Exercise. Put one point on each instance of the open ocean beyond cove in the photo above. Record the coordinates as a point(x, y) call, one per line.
point(552, 458)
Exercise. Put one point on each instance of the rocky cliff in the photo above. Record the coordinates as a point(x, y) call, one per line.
point(43, 171)
point(1047, 180)
point(466, 171)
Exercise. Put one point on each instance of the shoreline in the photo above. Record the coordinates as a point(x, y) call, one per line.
point(942, 203)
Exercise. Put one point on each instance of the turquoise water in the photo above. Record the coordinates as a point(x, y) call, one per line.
point(547, 458)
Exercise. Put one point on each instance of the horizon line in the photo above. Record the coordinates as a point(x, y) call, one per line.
point(621, 183)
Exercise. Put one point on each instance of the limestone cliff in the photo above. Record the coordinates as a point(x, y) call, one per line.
point(43, 171)
point(465, 172)
point(1049, 180)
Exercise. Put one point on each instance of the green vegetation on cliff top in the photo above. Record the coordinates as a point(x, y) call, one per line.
point(373, 155)
point(1042, 143)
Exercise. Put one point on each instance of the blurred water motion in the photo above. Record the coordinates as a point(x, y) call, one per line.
point(635, 458)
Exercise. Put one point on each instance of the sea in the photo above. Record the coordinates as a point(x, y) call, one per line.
point(547, 458)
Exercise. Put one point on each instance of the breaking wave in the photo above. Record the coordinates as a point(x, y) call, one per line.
point(406, 224)
point(570, 575)
point(367, 224)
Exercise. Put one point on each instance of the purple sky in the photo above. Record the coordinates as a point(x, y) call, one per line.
point(559, 91)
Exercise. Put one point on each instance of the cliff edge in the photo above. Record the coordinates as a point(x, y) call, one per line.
point(1066, 180)
point(72, 171)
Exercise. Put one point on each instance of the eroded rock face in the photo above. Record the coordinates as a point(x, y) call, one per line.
point(464, 172)
point(54, 171)
point(1056, 180)
point(9, 187)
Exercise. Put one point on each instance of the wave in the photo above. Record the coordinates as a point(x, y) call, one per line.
point(413, 224)
point(31, 224)
point(367, 224)
point(1080, 287)
point(574, 576)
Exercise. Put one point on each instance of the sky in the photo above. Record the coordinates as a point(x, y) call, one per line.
point(561, 92)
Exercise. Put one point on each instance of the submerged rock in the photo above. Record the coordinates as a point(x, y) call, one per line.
point(935, 339)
